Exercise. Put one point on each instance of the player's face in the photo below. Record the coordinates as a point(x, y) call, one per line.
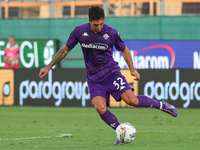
point(11, 40)
point(97, 25)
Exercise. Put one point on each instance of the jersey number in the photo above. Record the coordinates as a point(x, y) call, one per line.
point(120, 84)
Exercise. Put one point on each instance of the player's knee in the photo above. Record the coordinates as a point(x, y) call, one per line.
point(100, 109)
point(100, 105)
point(129, 98)
point(130, 102)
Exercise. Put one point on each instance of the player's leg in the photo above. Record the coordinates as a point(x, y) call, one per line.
point(100, 98)
point(144, 101)
point(139, 101)
point(99, 103)
point(123, 90)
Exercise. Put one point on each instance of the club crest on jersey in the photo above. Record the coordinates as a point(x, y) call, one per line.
point(85, 34)
point(106, 36)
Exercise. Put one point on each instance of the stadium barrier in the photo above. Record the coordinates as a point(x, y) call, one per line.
point(68, 87)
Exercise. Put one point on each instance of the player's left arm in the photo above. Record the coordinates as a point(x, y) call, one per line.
point(60, 55)
point(127, 57)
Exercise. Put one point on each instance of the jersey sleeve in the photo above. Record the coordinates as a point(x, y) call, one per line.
point(72, 40)
point(118, 42)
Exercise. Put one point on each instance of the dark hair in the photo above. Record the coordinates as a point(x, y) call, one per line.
point(96, 12)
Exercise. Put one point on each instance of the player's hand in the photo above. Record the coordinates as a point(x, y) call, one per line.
point(43, 72)
point(136, 75)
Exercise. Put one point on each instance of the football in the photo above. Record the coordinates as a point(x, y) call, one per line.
point(125, 133)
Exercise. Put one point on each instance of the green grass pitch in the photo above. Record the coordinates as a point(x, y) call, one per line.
point(27, 128)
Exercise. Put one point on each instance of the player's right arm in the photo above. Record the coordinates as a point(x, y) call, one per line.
point(63, 51)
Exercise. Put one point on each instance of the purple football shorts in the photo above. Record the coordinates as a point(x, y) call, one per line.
point(114, 85)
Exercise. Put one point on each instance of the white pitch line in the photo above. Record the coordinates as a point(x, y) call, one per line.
point(32, 138)
point(167, 131)
point(69, 135)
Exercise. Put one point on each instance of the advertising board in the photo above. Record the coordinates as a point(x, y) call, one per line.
point(33, 53)
point(68, 87)
point(161, 54)
point(6, 87)
point(180, 87)
point(61, 87)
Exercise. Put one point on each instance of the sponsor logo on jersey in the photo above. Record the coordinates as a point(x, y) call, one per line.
point(98, 46)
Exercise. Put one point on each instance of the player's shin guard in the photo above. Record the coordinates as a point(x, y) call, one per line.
point(145, 101)
point(110, 119)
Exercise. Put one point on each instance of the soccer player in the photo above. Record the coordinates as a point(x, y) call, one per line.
point(11, 57)
point(103, 73)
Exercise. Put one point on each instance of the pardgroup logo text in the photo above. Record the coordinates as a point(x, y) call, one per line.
point(45, 90)
point(175, 90)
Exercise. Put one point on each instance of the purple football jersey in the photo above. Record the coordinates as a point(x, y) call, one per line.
point(97, 50)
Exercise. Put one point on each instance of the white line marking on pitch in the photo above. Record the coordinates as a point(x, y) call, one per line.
point(167, 131)
point(69, 135)
point(32, 138)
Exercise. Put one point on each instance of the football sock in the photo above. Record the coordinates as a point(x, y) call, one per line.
point(145, 101)
point(110, 119)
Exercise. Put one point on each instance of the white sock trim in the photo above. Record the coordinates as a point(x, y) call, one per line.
point(161, 105)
